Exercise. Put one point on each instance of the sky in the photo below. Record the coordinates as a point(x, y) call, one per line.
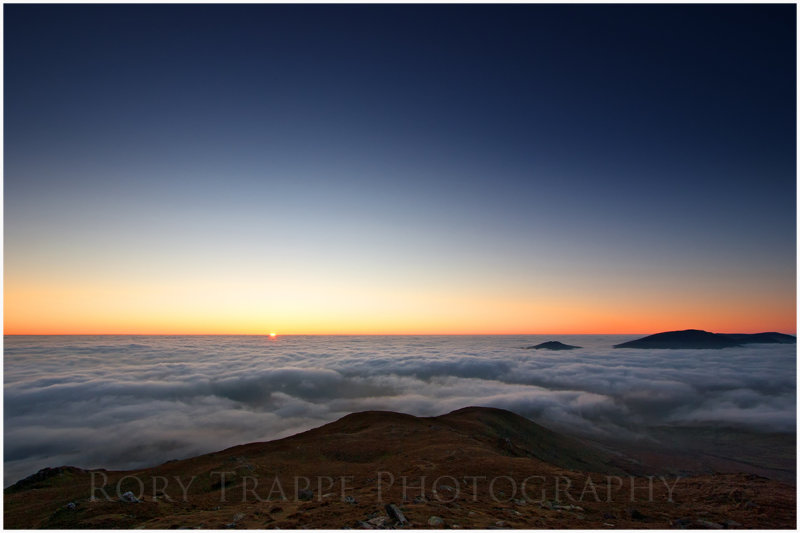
point(354, 169)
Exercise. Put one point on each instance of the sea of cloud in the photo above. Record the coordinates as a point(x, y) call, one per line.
point(128, 402)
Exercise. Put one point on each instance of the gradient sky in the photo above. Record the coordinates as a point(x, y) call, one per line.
point(399, 169)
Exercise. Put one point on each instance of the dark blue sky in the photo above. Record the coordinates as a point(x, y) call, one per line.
point(574, 148)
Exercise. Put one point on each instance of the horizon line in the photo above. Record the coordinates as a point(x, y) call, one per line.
point(345, 334)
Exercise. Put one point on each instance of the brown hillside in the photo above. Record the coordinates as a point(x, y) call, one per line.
point(473, 468)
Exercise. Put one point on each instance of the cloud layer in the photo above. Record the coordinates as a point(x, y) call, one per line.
point(126, 402)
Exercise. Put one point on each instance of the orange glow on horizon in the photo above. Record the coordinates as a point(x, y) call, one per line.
point(513, 320)
point(178, 307)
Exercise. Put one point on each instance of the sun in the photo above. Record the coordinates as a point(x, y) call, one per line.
point(273, 335)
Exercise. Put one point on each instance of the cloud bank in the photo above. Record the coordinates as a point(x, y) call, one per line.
point(128, 402)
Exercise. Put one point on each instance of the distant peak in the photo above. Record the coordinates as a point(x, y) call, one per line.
point(698, 339)
point(552, 345)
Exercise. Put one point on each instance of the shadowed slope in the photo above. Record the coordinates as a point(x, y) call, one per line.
point(515, 435)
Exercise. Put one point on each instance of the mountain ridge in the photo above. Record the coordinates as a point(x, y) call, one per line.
point(697, 339)
point(382, 469)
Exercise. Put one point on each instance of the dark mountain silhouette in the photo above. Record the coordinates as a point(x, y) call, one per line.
point(770, 337)
point(699, 339)
point(687, 339)
point(552, 345)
